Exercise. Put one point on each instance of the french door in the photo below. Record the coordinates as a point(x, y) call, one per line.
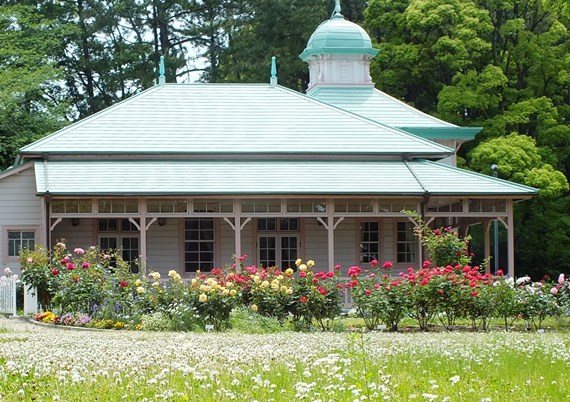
point(279, 250)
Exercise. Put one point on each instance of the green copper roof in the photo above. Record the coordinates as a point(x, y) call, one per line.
point(183, 177)
point(383, 108)
point(338, 35)
point(222, 119)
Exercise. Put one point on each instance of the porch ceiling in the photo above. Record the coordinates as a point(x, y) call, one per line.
point(140, 177)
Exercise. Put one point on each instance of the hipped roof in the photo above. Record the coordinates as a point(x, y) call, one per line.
point(213, 119)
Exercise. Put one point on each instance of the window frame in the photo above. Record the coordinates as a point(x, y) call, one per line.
point(415, 242)
point(185, 241)
point(17, 228)
point(359, 241)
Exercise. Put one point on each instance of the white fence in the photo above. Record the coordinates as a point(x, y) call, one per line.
point(8, 295)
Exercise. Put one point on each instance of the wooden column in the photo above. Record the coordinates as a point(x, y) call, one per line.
point(487, 244)
point(237, 226)
point(511, 238)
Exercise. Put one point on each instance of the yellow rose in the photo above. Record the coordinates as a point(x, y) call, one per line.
point(275, 286)
point(289, 291)
point(156, 284)
point(203, 288)
point(298, 262)
point(203, 298)
point(280, 277)
point(289, 271)
point(254, 307)
point(172, 273)
point(233, 292)
point(229, 284)
point(283, 288)
point(138, 282)
point(302, 267)
point(154, 275)
point(140, 290)
point(225, 292)
point(264, 284)
point(194, 281)
point(310, 263)
point(256, 279)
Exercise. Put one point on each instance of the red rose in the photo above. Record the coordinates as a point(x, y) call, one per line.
point(85, 265)
point(303, 274)
point(303, 299)
point(71, 266)
point(76, 278)
point(387, 265)
point(368, 291)
point(123, 284)
point(354, 271)
point(54, 272)
point(374, 262)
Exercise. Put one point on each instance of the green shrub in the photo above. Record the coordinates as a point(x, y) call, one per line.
point(246, 321)
point(157, 321)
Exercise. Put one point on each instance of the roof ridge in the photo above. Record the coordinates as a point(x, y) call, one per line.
point(370, 121)
point(416, 177)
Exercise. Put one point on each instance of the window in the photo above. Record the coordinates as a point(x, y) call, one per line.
point(198, 244)
point(120, 234)
point(261, 206)
point(307, 206)
point(278, 243)
point(369, 241)
point(406, 244)
point(20, 240)
point(213, 206)
point(72, 206)
point(118, 206)
point(167, 206)
point(354, 206)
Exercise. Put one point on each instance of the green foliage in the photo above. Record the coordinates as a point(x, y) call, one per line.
point(379, 297)
point(316, 297)
point(246, 321)
point(157, 321)
point(444, 246)
point(502, 65)
point(31, 104)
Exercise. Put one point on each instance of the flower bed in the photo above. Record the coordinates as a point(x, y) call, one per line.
point(93, 289)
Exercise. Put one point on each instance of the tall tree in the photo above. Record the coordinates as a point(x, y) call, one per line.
point(281, 28)
point(500, 64)
point(31, 102)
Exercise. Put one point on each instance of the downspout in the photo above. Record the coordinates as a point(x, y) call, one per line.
point(47, 203)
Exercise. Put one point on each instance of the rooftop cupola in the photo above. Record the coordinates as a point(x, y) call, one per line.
point(339, 53)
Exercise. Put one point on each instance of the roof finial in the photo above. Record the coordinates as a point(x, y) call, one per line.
point(273, 80)
point(336, 8)
point(161, 71)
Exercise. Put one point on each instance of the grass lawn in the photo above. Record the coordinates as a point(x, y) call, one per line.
point(52, 364)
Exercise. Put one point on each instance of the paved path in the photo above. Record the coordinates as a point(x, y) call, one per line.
point(18, 324)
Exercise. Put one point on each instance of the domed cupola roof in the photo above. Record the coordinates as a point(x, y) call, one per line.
point(338, 36)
